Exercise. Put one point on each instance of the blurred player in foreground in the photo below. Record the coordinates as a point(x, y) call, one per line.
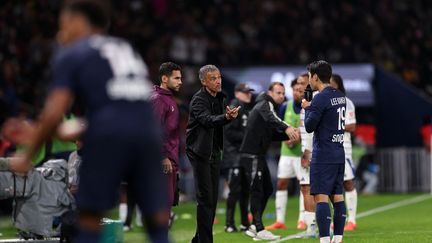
point(122, 138)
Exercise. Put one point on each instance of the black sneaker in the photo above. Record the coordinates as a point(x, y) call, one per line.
point(230, 229)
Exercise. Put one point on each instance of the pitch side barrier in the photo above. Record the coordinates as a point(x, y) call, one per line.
point(404, 170)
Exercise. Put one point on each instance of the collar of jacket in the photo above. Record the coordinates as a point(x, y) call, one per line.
point(219, 95)
point(161, 91)
point(265, 96)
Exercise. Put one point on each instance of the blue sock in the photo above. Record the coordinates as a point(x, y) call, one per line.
point(339, 217)
point(87, 236)
point(158, 235)
point(323, 218)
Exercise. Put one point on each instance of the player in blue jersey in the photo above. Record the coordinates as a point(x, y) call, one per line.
point(325, 116)
point(121, 142)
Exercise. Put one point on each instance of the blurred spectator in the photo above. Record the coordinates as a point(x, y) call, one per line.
point(392, 34)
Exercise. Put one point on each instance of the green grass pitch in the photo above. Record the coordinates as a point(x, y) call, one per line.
point(409, 222)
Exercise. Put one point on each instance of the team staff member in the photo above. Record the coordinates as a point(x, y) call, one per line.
point(263, 127)
point(204, 143)
point(238, 186)
point(325, 116)
point(289, 161)
point(168, 114)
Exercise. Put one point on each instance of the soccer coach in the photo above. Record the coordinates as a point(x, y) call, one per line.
point(325, 116)
point(204, 143)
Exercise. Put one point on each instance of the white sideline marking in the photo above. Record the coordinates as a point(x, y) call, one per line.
point(394, 205)
point(371, 212)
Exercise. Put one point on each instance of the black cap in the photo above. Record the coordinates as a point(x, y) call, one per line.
point(242, 87)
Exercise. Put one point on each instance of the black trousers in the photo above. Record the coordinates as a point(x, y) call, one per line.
point(206, 177)
point(261, 186)
point(239, 186)
point(131, 203)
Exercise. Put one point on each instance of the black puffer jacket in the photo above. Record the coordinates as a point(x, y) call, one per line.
point(205, 122)
point(234, 133)
point(263, 126)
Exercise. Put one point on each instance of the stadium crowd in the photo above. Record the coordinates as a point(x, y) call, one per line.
point(391, 34)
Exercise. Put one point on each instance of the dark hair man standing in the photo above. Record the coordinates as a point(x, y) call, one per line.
point(204, 143)
point(325, 116)
point(167, 113)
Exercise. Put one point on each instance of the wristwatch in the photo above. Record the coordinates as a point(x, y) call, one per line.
point(4, 164)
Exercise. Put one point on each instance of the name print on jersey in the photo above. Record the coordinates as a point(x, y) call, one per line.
point(338, 101)
point(129, 81)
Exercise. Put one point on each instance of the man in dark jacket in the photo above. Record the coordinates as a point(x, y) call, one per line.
point(263, 127)
point(234, 133)
point(204, 143)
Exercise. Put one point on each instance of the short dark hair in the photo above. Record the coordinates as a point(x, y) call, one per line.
point(321, 68)
point(304, 75)
point(271, 86)
point(293, 82)
point(97, 12)
point(338, 80)
point(167, 68)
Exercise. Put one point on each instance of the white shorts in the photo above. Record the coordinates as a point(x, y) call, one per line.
point(349, 170)
point(290, 167)
point(303, 176)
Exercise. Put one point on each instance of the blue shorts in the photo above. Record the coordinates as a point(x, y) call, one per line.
point(326, 178)
point(113, 157)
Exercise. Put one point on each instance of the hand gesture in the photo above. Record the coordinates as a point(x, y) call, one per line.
point(290, 143)
point(71, 130)
point(18, 131)
point(293, 133)
point(232, 113)
point(305, 159)
point(167, 166)
point(305, 104)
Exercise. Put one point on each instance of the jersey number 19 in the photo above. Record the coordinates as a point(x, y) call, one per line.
point(341, 120)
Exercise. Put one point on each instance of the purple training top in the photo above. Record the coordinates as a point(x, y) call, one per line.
point(167, 113)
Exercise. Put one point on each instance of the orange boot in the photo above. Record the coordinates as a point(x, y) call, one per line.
point(276, 225)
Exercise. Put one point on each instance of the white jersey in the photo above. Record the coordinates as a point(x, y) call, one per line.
point(350, 118)
point(306, 138)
